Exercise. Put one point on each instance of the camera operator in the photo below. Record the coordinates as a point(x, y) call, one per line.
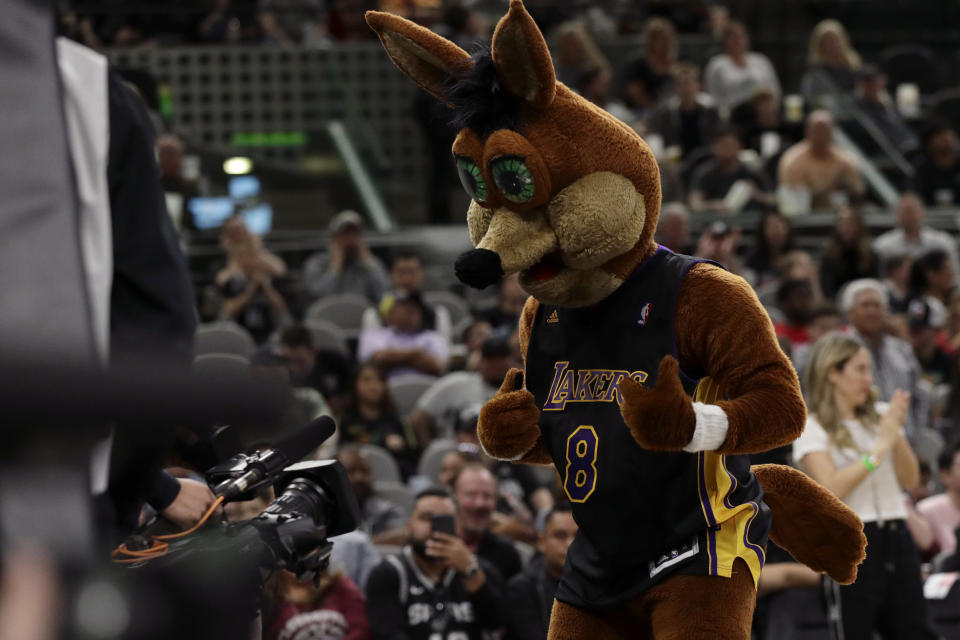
point(435, 585)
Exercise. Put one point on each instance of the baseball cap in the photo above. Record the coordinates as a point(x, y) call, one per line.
point(925, 313)
point(345, 219)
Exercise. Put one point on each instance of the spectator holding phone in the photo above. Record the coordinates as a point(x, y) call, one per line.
point(435, 587)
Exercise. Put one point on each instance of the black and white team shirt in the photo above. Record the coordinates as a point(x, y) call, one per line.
point(404, 604)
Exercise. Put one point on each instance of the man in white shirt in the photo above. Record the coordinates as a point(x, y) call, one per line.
point(911, 236)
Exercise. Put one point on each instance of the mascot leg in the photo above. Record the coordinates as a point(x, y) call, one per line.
point(570, 623)
point(702, 607)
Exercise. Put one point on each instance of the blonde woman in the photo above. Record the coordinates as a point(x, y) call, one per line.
point(649, 79)
point(832, 62)
point(855, 447)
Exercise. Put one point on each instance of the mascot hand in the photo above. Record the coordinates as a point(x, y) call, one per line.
point(662, 418)
point(508, 425)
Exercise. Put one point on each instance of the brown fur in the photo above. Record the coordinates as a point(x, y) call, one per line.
point(596, 204)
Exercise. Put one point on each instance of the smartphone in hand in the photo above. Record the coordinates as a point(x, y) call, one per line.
point(442, 524)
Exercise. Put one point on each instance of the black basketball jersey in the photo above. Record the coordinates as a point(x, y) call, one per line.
point(432, 611)
point(642, 514)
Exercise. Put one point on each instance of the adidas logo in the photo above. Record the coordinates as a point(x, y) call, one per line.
point(553, 317)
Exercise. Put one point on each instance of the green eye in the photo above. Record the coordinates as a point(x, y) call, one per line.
point(513, 179)
point(471, 178)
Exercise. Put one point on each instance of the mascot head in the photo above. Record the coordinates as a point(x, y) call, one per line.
point(563, 192)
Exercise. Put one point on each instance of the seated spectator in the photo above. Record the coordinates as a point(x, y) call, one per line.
point(896, 279)
point(370, 417)
point(799, 265)
point(732, 76)
point(932, 277)
point(326, 370)
point(438, 409)
point(475, 489)
point(819, 169)
point(510, 300)
point(712, 183)
point(382, 520)
point(718, 242)
point(849, 254)
point(531, 592)
point(774, 239)
point(926, 320)
point(673, 229)
point(407, 276)
point(872, 99)
point(437, 586)
point(764, 128)
point(246, 282)
point(832, 64)
point(937, 173)
point(348, 267)
point(688, 118)
point(330, 607)
point(404, 345)
point(911, 236)
point(942, 511)
point(865, 304)
point(576, 53)
point(795, 300)
point(648, 79)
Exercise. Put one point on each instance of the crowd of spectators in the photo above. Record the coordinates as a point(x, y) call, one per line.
point(878, 313)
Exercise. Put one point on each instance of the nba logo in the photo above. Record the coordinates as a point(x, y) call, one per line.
point(645, 314)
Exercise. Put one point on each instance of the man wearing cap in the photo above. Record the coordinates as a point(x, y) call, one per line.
point(348, 267)
point(926, 317)
point(873, 101)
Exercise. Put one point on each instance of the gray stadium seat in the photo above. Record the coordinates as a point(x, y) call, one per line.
point(344, 310)
point(220, 364)
point(406, 389)
point(396, 492)
point(326, 335)
point(382, 464)
point(223, 337)
point(432, 457)
point(456, 306)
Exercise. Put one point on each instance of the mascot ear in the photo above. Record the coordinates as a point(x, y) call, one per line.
point(521, 58)
point(427, 58)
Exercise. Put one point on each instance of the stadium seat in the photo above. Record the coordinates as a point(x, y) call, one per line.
point(344, 310)
point(382, 464)
point(406, 389)
point(223, 337)
point(432, 457)
point(396, 492)
point(219, 364)
point(946, 104)
point(911, 63)
point(456, 306)
point(326, 335)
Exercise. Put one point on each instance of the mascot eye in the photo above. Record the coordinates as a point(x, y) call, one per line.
point(471, 178)
point(513, 179)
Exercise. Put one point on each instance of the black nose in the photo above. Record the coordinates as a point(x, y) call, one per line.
point(479, 268)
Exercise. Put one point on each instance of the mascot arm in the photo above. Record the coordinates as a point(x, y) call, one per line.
point(508, 427)
point(723, 332)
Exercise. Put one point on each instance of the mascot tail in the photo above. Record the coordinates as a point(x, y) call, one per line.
point(811, 523)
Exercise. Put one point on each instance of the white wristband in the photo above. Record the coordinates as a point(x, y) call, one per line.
point(711, 429)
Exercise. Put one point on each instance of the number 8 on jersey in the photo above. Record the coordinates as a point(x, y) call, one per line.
point(580, 478)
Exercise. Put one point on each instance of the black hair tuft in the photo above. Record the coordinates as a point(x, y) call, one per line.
point(478, 99)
